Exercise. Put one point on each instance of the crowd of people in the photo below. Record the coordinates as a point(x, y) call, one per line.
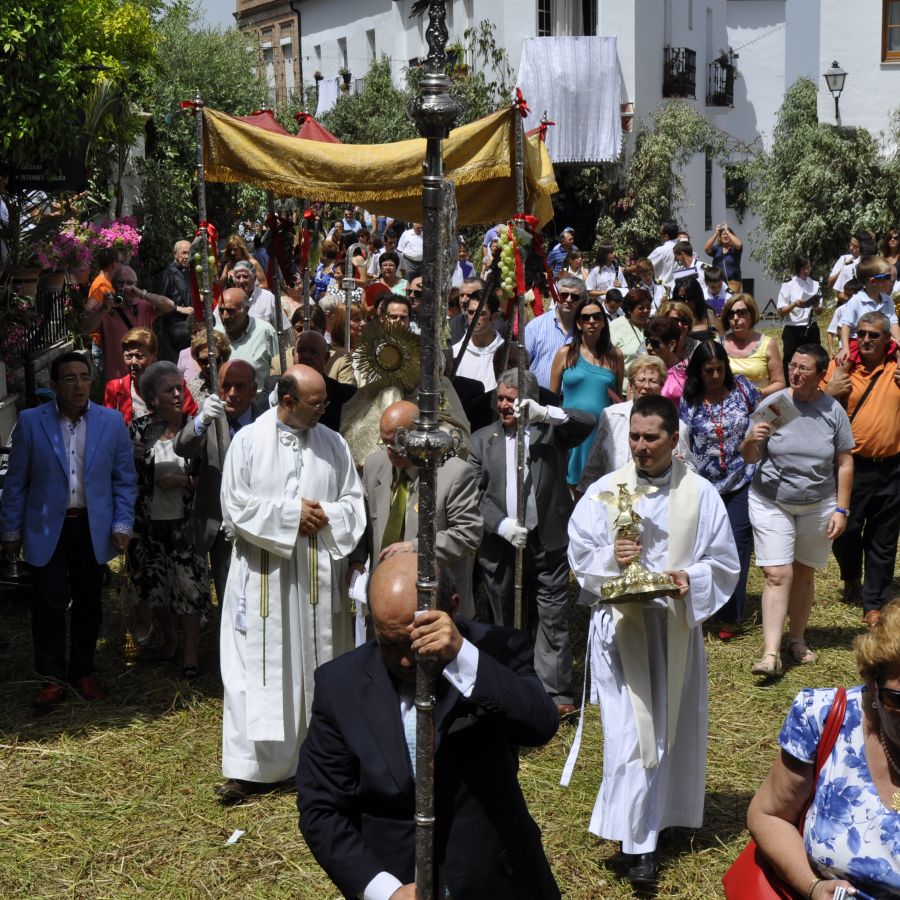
point(285, 491)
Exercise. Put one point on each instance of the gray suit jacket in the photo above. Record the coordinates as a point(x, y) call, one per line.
point(458, 519)
point(547, 447)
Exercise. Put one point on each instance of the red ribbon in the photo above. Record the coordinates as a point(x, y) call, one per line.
point(212, 241)
point(545, 124)
point(521, 104)
point(187, 104)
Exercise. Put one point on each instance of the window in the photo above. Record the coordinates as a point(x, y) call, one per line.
point(342, 52)
point(287, 52)
point(890, 32)
point(318, 51)
point(370, 44)
point(589, 17)
point(544, 18)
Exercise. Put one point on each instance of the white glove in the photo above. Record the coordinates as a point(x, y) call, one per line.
point(213, 407)
point(530, 409)
point(512, 531)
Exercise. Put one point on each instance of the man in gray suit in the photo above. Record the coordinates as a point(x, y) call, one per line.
point(391, 486)
point(237, 385)
point(550, 433)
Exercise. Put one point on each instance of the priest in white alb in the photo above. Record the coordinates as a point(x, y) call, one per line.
point(647, 662)
point(293, 503)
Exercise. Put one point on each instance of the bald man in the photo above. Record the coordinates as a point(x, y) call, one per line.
point(174, 284)
point(198, 439)
point(391, 487)
point(312, 350)
point(127, 307)
point(355, 781)
point(293, 504)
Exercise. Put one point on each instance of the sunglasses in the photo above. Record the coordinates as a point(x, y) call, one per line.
point(567, 297)
point(871, 335)
point(653, 344)
point(890, 699)
point(203, 361)
point(740, 312)
point(463, 295)
point(591, 317)
point(413, 293)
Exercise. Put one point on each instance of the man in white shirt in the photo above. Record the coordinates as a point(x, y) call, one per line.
point(478, 360)
point(410, 248)
point(663, 257)
point(262, 301)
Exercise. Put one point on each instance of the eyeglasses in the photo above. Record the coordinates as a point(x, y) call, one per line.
point(890, 699)
point(803, 370)
point(871, 335)
point(567, 297)
point(321, 405)
point(647, 382)
point(742, 312)
point(591, 317)
point(203, 361)
point(463, 295)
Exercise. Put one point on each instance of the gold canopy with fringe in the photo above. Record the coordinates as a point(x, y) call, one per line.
point(385, 178)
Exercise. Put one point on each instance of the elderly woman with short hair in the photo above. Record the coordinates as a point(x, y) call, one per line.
point(170, 576)
point(610, 450)
point(799, 499)
point(851, 827)
point(199, 385)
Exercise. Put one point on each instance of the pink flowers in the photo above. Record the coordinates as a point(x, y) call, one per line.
point(122, 233)
point(65, 251)
point(73, 247)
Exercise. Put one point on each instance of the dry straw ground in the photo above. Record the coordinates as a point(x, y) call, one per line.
point(114, 799)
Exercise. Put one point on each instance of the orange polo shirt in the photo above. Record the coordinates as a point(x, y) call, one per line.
point(876, 428)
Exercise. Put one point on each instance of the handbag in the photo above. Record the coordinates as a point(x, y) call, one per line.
point(751, 877)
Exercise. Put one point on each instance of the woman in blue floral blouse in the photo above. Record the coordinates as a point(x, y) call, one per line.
point(716, 407)
point(851, 833)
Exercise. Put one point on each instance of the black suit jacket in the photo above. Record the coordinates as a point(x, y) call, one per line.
point(355, 786)
point(548, 447)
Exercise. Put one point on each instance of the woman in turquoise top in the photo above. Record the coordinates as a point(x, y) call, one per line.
point(585, 371)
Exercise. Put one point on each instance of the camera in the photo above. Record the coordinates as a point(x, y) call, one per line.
point(118, 300)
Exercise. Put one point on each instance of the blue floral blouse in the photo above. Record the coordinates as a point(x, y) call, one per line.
point(716, 455)
point(848, 831)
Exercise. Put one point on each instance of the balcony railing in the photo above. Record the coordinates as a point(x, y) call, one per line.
point(679, 72)
point(720, 81)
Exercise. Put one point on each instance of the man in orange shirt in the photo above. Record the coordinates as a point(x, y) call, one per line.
point(109, 259)
point(871, 394)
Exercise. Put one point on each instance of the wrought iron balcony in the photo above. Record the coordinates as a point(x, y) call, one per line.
point(720, 81)
point(679, 72)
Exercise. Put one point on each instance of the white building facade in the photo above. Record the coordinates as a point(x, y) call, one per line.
point(665, 48)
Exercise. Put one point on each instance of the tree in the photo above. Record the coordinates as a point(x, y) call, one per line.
point(817, 184)
point(190, 57)
point(652, 188)
point(51, 55)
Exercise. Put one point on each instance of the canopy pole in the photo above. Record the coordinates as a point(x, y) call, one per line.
point(520, 374)
point(434, 111)
point(275, 286)
point(205, 287)
point(306, 242)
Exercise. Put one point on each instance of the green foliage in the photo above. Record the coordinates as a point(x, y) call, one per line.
point(378, 113)
point(816, 185)
point(190, 57)
point(651, 189)
point(51, 55)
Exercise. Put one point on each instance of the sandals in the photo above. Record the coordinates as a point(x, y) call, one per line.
point(800, 653)
point(767, 669)
point(728, 631)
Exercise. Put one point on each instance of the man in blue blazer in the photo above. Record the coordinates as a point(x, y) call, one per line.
point(355, 781)
point(68, 498)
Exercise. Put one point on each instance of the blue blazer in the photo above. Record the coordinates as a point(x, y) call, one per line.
point(36, 488)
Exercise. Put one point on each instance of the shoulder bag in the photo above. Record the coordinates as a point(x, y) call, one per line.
point(751, 877)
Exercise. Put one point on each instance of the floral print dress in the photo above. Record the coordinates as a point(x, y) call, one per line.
point(848, 831)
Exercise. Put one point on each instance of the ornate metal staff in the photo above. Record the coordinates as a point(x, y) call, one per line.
point(434, 111)
point(205, 290)
point(275, 286)
point(349, 284)
point(520, 375)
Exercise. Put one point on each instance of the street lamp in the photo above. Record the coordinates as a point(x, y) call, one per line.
point(835, 78)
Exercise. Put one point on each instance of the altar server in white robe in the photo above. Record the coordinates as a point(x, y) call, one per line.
point(293, 502)
point(647, 661)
